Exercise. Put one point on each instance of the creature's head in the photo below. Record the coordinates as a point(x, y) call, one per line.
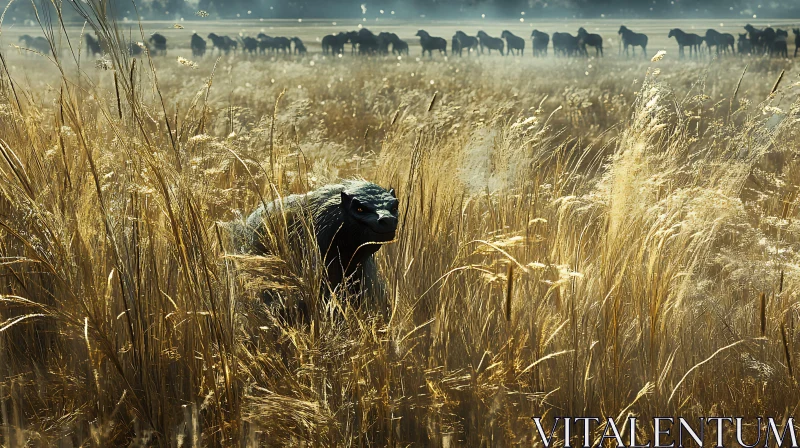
point(505, 34)
point(622, 29)
point(582, 31)
point(672, 33)
point(370, 210)
point(422, 33)
point(742, 37)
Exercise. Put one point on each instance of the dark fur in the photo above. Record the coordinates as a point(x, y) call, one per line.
point(466, 42)
point(92, 45)
point(430, 43)
point(39, 44)
point(221, 43)
point(513, 43)
point(198, 46)
point(399, 46)
point(722, 42)
point(250, 45)
point(691, 40)
point(368, 42)
point(158, 45)
point(490, 43)
point(743, 45)
point(593, 40)
point(455, 46)
point(780, 46)
point(343, 233)
point(629, 38)
point(565, 44)
point(796, 32)
point(299, 46)
point(540, 42)
point(334, 43)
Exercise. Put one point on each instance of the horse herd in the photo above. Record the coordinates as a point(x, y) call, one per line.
point(157, 45)
point(769, 41)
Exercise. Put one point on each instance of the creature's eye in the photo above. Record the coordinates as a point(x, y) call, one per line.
point(360, 209)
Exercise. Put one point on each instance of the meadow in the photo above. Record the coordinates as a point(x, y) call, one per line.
point(602, 237)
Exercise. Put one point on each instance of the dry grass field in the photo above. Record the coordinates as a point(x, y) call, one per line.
point(602, 237)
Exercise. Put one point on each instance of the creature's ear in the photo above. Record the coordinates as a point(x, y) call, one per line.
point(391, 192)
point(346, 199)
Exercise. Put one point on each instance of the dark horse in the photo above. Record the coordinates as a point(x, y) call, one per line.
point(220, 43)
point(159, 44)
point(198, 46)
point(334, 43)
point(299, 47)
point(691, 40)
point(513, 42)
point(780, 44)
point(492, 43)
point(399, 46)
point(593, 40)
point(743, 45)
point(540, 42)
point(796, 32)
point(430, 43)
point(721, 41)
point(565, 44)
point(629, 38)
point(92, 45)
point(466, 42)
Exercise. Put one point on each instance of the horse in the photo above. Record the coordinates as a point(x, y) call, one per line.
point(368, 42)
point(513, 43)
point(334, 43)
point(743, 45)
point(780, 44)
point(159, 44)
point(39, 44)
point(593, 40)
point(492, 43)
point(728, 42)
point(540, 42)
point(430, 43)
point(134, 49)
point(455, 46)
point(629, 38)
point(755, 35)
point(466, 42)
point(281, 44)
point(566, 44)
point(796, 32)
point(384, 39)
point(399, 46)
point(299, 46)
point(250, 45)
point(691, 40)
point(352, 37)
point(220, 43)
point(767, 39)
point(92, 45)
point(718, 41)
point(198, 45)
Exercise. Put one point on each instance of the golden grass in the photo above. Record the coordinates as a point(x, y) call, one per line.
point(571, 244)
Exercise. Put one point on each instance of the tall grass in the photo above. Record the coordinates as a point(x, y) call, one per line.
point(570, 245)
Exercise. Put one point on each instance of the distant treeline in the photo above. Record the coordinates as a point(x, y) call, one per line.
point(438, 9)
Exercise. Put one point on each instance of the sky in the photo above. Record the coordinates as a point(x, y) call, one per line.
point(439, 9)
